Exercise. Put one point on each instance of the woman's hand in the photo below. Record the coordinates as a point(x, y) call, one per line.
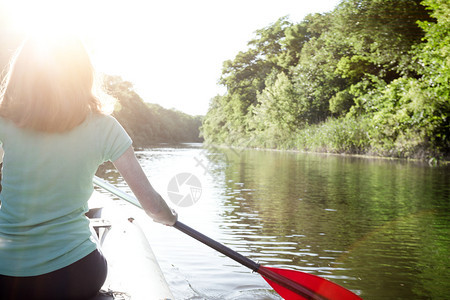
point(168, 220)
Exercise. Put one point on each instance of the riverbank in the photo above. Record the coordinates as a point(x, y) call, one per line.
point(432, 162)
point(323, 139)
point(343, 136)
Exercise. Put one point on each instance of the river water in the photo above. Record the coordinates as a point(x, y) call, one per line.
point(378, 227)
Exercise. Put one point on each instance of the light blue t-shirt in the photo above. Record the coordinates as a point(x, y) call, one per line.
point(46, 183)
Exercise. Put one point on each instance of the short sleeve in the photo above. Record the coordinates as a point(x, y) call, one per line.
point(2, 128)
point(115, 139)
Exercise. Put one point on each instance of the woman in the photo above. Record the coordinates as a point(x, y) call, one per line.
point(54, 136)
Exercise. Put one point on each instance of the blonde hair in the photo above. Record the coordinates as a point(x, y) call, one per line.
point(49, 85)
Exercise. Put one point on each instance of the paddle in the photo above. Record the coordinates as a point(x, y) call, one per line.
point(290, 284)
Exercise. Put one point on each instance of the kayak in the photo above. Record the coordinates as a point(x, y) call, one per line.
point(133, 270)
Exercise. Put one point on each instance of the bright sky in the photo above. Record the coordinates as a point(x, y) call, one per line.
point(172, 51)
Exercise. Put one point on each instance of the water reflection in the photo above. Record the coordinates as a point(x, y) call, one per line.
point(377, 227)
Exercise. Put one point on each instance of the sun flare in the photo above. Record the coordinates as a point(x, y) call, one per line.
point(47, 16)
point(93, 21)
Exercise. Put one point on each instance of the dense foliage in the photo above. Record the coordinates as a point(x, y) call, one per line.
point(371, 76)
point(148, 123)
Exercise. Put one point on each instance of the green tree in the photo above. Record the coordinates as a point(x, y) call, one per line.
point(377, 69)
point(434, 53)
point(315, 77)
point(277, 114)
point(275, 47)
point(382, 33)
point(149, 123)
point(434, 56)
point(222, 123)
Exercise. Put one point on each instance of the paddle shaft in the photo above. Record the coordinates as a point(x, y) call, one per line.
point(279, 279)
point(217, 246)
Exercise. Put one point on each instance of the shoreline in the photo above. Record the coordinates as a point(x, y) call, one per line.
point(432, 162)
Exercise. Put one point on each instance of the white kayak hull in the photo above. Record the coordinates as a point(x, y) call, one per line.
point(133, 271)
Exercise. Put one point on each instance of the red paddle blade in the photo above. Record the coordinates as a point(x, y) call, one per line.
point(309, 286)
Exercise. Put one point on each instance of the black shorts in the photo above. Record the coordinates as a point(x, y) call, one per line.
point(80, 280)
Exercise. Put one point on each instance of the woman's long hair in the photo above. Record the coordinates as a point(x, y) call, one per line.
point(49, 85)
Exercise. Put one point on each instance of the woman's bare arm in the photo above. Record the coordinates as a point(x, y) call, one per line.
point(153, 204)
